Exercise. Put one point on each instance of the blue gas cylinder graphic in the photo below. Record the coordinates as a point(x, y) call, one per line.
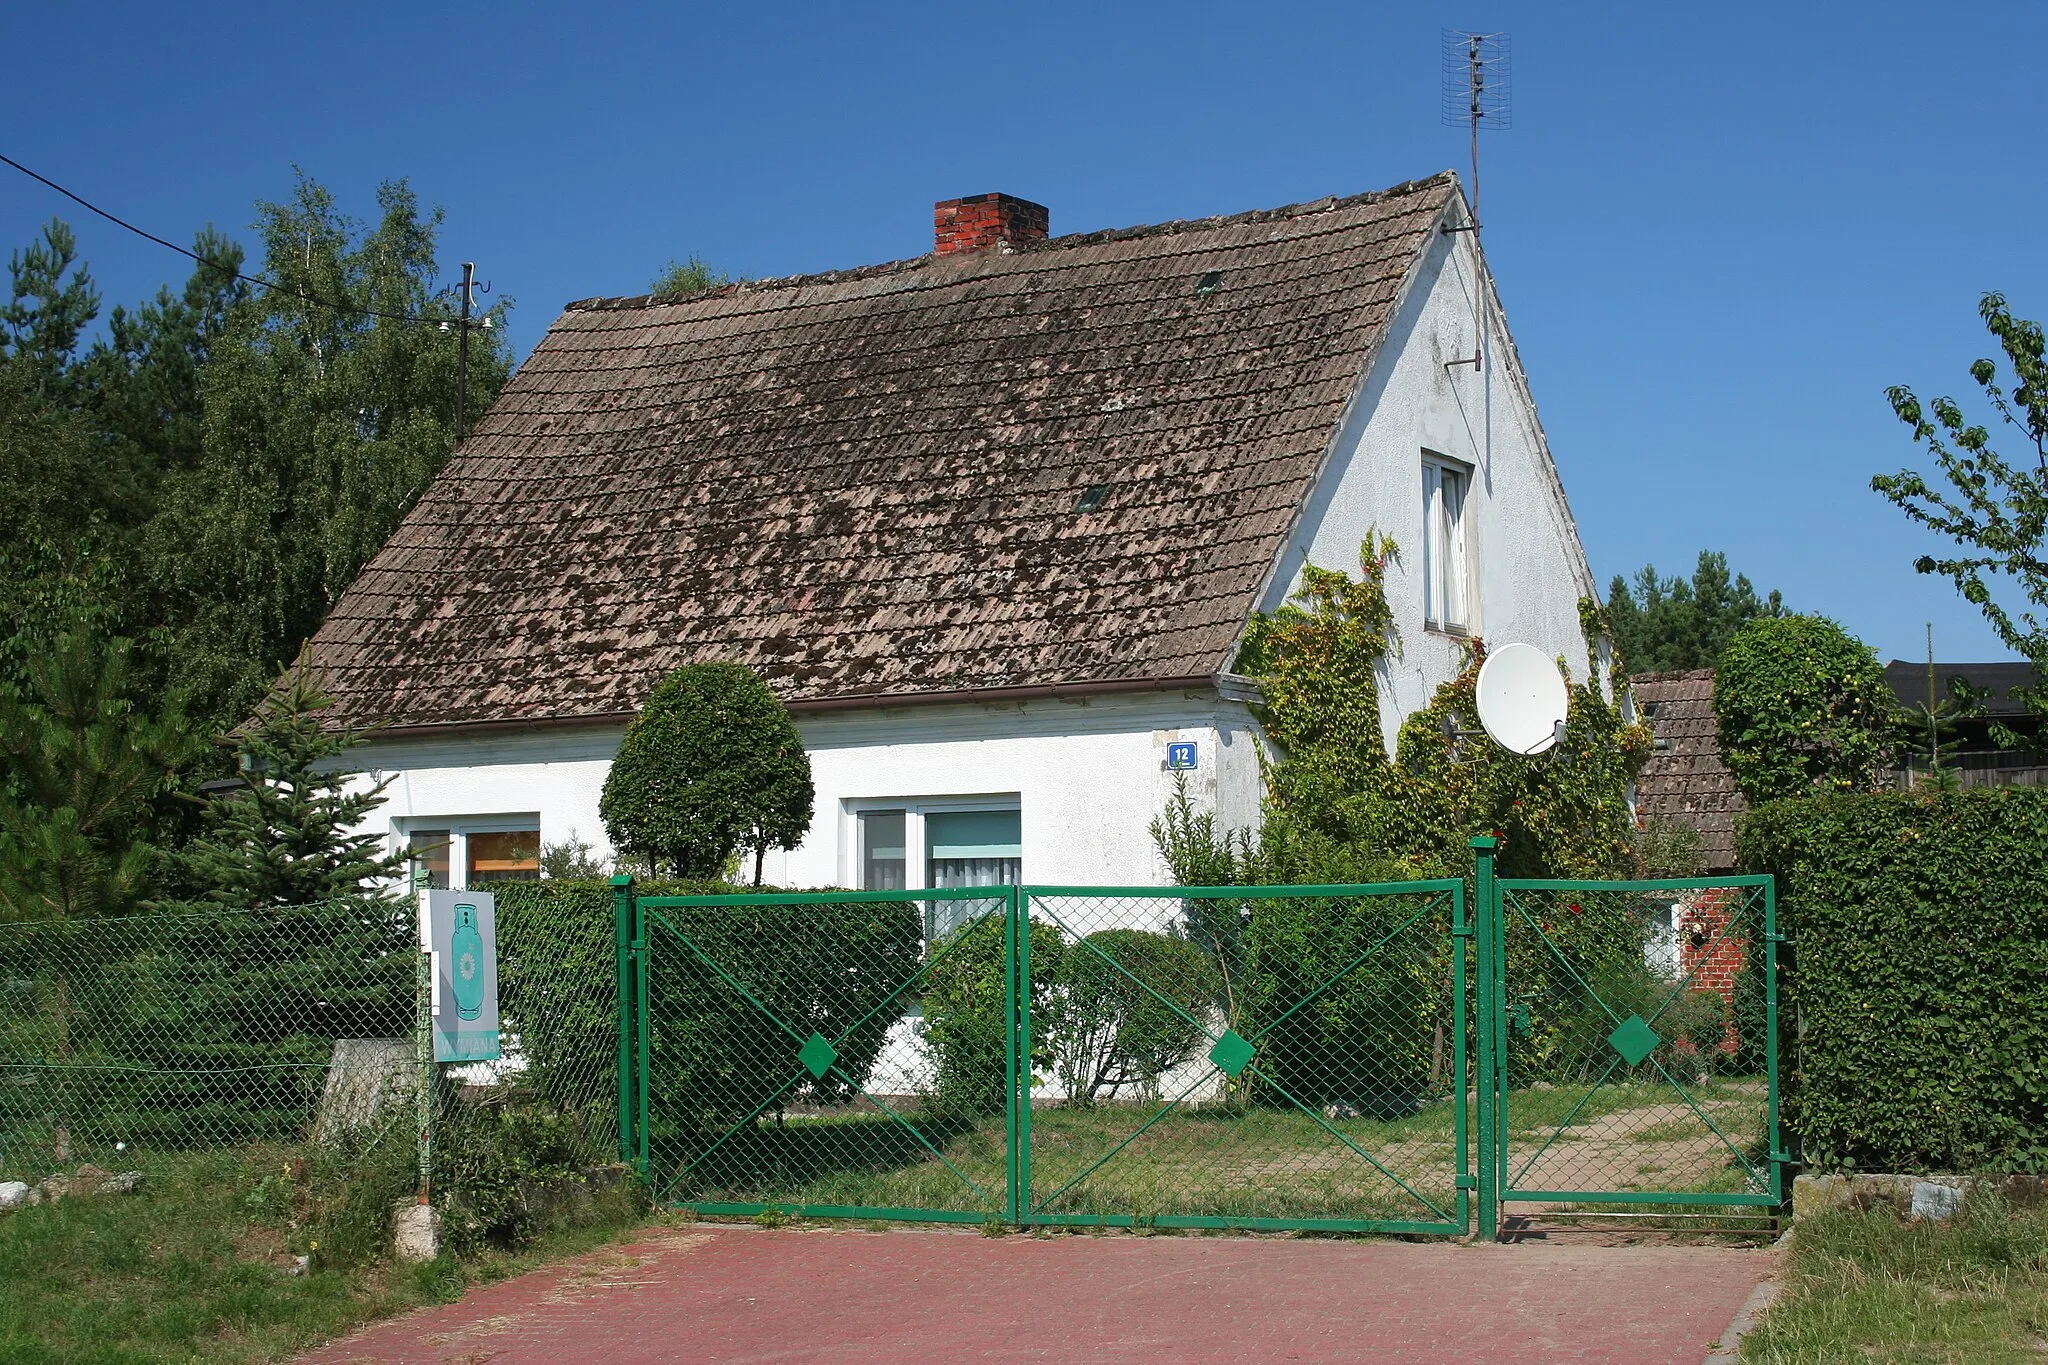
point(466, 951)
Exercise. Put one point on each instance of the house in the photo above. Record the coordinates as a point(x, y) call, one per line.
point(992, 521)
point(1685, 780)
point(1964, 730)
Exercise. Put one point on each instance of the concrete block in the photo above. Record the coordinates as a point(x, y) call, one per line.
point(415, 1231)
point(1932, 1200)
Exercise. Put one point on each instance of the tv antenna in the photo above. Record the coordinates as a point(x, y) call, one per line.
point(1476, 91)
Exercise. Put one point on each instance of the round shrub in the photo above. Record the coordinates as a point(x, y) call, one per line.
point(712, 765)
point(1125, 1011)
point(1802, 707)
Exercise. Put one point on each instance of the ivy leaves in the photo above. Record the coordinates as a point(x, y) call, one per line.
point(1337, 804)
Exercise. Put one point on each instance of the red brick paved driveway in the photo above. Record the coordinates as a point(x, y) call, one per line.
point(747, 1294)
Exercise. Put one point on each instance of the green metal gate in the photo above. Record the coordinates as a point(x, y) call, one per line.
point(773, 1057)
point(1629, 1033)
point(1277, 1057)
point(1256, 1057)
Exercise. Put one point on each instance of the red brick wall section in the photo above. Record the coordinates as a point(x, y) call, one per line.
point(1707, 953)
point(981, 221)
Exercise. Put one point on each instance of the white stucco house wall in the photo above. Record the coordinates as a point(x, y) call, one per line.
point(992, 521)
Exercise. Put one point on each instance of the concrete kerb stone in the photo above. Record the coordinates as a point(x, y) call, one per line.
point(1728, 1349)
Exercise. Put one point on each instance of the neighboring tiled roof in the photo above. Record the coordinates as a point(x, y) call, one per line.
point(865, 483)
point(1908, 681)
point(1685, 780)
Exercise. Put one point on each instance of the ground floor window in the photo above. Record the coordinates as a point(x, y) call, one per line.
point(911, 844)
point(455, 854)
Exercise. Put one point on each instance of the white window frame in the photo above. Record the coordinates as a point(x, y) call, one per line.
point(1450, 601)
point(915, 809)
point(459, 828)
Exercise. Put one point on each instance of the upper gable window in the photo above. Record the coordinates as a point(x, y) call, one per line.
point(1446, 556)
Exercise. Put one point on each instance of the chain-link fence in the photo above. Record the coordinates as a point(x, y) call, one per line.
point(127, 1039)
point(811, 1051)
point(1271, 1056)
point(1636, 1043)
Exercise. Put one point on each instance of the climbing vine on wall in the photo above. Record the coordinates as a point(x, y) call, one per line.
point(1338, 806)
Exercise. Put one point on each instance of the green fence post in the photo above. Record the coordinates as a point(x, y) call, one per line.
point(1486, 911)
point(1010, 1061)
point(1775, 1137)
point(642, 1027)
point(622, 941)
point(1020, 1150)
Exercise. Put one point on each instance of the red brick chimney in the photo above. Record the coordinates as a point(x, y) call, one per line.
point(980, 221)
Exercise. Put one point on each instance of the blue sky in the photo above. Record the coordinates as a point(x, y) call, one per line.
point(1718, 238)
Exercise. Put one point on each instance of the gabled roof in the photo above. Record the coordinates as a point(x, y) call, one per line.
point(1685, 780)
point(868, 484)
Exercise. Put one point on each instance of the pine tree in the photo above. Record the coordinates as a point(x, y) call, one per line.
point(86, 777)
point(285, 835)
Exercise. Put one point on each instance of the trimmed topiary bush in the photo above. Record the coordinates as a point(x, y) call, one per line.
point(1915, 1001)
point(711, 766)
point(1802, 706)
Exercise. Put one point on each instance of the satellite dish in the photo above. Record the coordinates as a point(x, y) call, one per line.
point(1522, 699)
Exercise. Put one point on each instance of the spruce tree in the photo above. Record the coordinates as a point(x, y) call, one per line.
point(285, 834)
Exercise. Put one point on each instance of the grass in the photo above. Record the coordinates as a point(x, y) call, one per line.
point(1867, 1285)
point(197, 1267)
point(1207, 1161)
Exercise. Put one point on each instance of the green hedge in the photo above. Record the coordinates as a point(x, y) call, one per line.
point(1916, 976)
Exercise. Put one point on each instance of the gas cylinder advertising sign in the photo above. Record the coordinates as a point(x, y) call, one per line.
point(462, 929)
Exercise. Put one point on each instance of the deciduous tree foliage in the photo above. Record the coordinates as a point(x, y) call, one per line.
point(192, 490)
point(1994, 508)
point(1802, 706)
point(710, 767)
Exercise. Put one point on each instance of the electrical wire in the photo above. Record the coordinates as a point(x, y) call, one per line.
point(257, 280)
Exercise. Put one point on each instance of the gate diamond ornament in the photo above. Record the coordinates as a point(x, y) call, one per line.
point(817, 1055)
point(1231, 1053)
point(1634, 1040)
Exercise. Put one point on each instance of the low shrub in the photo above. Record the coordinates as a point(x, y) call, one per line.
point(1347, 1006)
point(508, 1170)
point(1127, 1006)
point(1916, 983)
point(716, 1056)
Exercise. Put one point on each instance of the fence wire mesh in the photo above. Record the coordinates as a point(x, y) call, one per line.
point(829, 1053)
point(126, 1039)
point(172, 1032)
point(1292, 1056)
point(1636, 1043)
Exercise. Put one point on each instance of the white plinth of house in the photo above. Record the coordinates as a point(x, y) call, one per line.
point(991, 521)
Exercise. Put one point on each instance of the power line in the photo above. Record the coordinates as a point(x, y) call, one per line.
point(257, 280)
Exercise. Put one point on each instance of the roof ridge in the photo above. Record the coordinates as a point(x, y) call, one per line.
point(1327, 204)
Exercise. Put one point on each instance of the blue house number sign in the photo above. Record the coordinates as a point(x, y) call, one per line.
point(1181, 758)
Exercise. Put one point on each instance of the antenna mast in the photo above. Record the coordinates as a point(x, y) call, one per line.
point(1475, 91)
